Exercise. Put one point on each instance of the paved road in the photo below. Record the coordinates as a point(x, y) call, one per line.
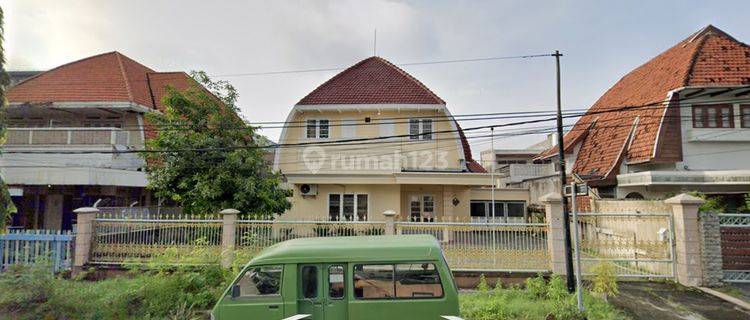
point(648, 300)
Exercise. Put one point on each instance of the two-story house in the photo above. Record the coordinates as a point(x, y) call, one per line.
point(680, 122)
point(71, 134)
point(373, 138)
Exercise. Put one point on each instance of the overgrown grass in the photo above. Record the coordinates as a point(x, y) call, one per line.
point(170, 286)
point(160, 291)
point(33, 293)
point(538, 300)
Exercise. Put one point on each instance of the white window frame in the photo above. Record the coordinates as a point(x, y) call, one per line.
point(422, 134)
point(341, 205)
point(317, 128)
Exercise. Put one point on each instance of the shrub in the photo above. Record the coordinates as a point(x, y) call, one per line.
point(604, 282)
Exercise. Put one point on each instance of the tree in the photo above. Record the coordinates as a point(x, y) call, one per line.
point(7, 209)
point(206, 157)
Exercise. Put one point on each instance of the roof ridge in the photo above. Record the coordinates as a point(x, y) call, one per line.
point(379, 63)
point(338, 75)
point(694, 58)
point(124, 76)
point(412, 78)
point(60, 66)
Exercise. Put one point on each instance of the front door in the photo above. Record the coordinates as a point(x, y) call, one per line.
point(422, 207)
point(322, 291)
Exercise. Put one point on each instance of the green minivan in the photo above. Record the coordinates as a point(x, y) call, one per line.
point(370, 277)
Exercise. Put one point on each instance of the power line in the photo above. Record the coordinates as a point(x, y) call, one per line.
point(658, 104)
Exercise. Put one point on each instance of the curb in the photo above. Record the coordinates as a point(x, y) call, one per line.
point(723, 296)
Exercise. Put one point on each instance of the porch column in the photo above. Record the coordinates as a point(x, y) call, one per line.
point(687, 239)
point(390, 224)
point(84, 231)
point(228, 237)
point(555, 232)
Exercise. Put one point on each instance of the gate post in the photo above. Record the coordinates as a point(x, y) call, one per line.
point(84, 232)
point(713, 268)
point(390, 225)
point(228, 237)
point(687, 239)
point(555, 232)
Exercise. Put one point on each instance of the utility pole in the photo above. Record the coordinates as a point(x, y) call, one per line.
point(563, 182)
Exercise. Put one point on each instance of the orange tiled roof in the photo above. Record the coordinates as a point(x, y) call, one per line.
point(709, 57)
point(372, 81)
point(106, 77)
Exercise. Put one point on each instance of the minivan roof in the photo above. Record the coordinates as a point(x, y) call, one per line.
point(352, 249)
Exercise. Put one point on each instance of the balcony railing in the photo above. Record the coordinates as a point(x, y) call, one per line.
point(67, 136)
point(519, 172)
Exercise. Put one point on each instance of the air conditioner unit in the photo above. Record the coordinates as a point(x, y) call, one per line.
point(308, 189)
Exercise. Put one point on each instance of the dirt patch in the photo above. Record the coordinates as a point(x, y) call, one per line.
point(648, 300)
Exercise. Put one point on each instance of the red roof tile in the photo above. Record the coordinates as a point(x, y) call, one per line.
point(372, 81)
point(102, 78)
point(709, 57)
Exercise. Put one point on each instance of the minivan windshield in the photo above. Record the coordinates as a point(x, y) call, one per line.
point(260, 281)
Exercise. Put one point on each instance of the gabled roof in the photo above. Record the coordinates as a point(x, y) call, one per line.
point(372, 81)
point(709, 57)
point(107, 77)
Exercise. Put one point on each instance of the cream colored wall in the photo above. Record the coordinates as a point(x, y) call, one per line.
point(380, 198)
point(443, 151)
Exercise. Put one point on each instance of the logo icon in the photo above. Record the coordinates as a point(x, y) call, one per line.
point(314, 158)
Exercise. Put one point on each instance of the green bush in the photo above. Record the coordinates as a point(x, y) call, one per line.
point(539, 300)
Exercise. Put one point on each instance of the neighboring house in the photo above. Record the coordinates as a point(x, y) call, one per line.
point(697, 139)
point(96, 104)
point(516, 165)
point(420, 167)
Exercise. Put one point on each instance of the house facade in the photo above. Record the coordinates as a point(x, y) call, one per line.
point(93, 110)
point(678, 123)
point(373, 138)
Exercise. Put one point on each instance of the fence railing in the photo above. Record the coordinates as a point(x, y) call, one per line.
point(37, 246)
point(68, 136)
point(488, 246)
point(142, 240)
point(255, 235)
point(147, 212)
point(467, 246)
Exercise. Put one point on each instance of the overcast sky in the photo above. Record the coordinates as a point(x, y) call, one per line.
point(601, 41)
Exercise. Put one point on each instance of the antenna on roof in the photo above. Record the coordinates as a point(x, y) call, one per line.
point(375, 43)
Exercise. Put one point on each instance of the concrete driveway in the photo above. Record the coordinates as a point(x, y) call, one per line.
point(649, 300)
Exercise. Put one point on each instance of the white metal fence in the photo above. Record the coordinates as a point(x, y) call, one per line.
point(637, 245)
point(467, 246)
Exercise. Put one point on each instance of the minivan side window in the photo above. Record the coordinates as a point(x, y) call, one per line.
point(417, 280)
point(309, 275)
point(336, 282)
point(373, 281)
point(400, 281)
point(261, 281)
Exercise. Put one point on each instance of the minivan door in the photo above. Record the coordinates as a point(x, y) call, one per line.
point(310, 291)
point(335, 289)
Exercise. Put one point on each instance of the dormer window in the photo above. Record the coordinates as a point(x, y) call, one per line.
point(420, 129)
point(713, 116)
point(317, 129)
